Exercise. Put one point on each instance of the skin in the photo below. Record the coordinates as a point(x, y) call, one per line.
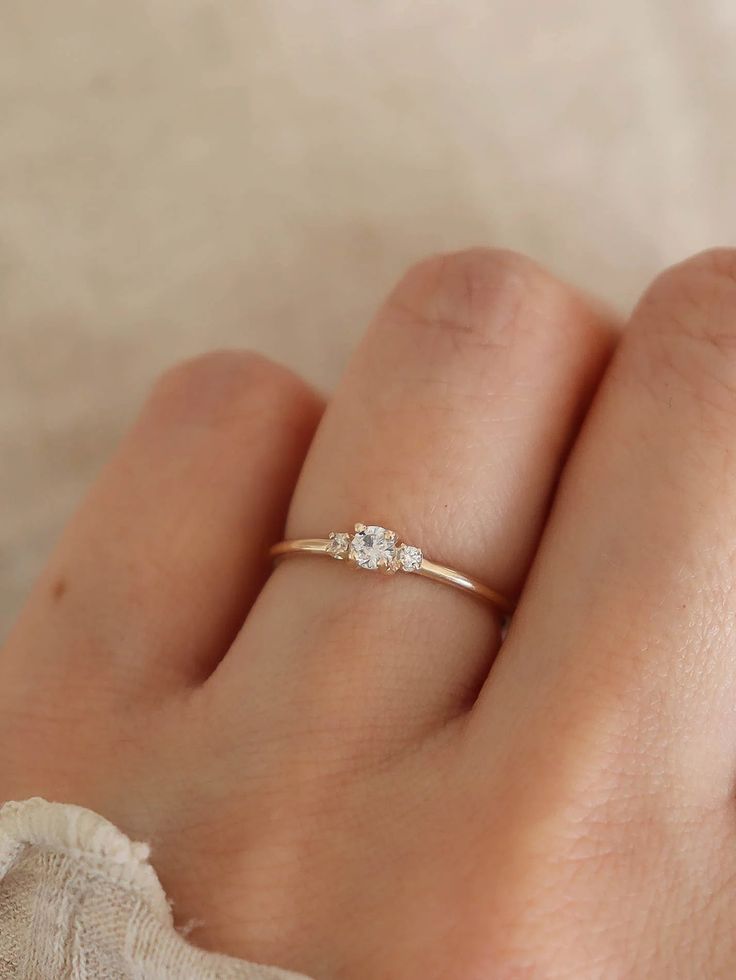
point(348, 775)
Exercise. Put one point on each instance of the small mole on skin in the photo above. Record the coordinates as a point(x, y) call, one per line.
point(59, 589)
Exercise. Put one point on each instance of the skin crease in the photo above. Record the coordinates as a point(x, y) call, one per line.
point(349, 776)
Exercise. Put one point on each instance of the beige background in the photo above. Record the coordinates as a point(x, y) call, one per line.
point(183, 174)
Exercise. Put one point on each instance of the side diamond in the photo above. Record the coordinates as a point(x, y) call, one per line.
point(339, 543)
point(410, 558)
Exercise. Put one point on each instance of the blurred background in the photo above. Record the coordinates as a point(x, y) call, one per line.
point(177, 175)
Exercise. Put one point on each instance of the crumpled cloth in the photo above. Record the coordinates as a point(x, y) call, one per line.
point(80, 901)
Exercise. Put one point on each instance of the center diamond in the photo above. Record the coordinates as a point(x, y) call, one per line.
point(373, 547)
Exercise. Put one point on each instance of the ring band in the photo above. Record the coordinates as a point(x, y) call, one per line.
point(378, 549)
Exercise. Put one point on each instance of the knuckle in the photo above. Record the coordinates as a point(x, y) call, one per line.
point(685, 326)
point(481, 297)
point(220, 367)
point(228, 388)
point(694, 294)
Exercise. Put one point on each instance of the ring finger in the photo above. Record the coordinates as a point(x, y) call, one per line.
point(450, 427)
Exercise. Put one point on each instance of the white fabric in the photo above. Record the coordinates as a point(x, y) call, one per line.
point(80, 901)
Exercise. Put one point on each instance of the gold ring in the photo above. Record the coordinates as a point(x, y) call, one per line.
point(378, 549)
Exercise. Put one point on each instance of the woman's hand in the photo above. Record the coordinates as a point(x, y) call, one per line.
point(341, 772)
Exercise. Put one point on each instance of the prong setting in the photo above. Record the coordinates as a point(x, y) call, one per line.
point(374, 548)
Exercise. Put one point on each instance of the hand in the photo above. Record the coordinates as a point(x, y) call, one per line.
point(347, 774)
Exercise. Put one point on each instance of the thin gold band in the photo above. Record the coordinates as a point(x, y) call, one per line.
point(427, 569)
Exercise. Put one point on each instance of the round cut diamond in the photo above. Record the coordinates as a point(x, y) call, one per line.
point(373, 547)
point(410, 558)
point(339, 543)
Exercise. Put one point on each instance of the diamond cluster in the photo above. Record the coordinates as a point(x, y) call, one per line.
point(374, 547)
